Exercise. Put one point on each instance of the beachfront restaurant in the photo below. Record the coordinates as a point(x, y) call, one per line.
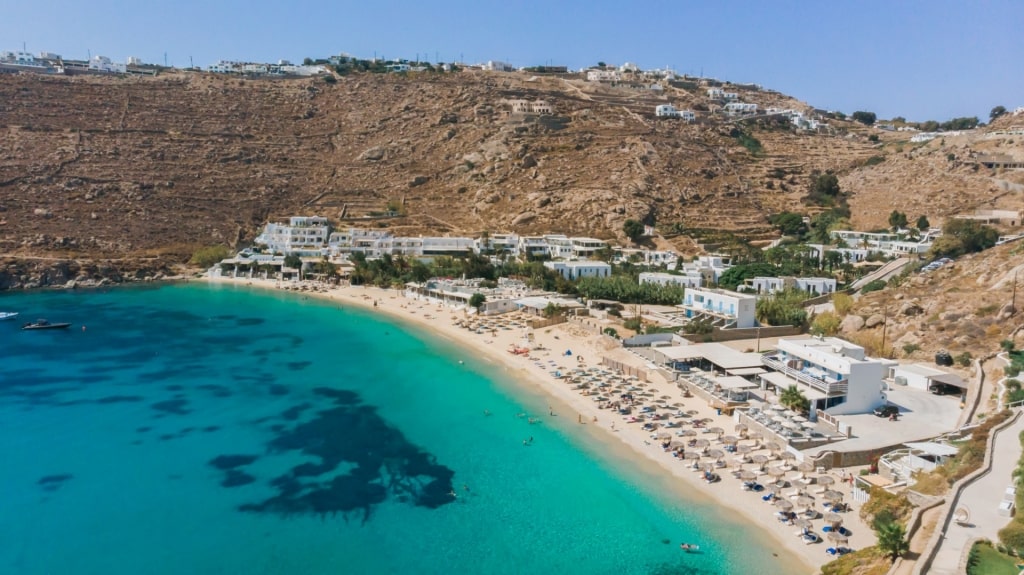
point(715, 372)
point(711, 357)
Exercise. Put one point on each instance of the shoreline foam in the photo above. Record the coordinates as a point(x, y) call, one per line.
point(633, 442)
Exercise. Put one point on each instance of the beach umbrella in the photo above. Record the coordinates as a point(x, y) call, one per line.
point(686, 432)
point(729, 439)
point(755, 435)
point(760, 460)
point(716, 430)
point(702, 443)
point(776, 472)
point(834, 518)
point(805, 501)
point(692, 412)
point(716, 453)
point(773, 446)
point(805, 466)
point(740, 427)
point(784, 504)
point(802, 523)
point(788, 455)
point(830, 495)
point(799, 483)
point(691, 455)
point(747, 475)
point(826, 480)
point(743, 449)
point(838, 537)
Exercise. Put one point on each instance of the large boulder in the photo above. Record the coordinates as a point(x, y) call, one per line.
point(373, 154)
point(524, 218)
point(851, 323)
point(874, 321)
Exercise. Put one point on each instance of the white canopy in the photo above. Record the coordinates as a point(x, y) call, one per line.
point(734, 382)
point(932, 448)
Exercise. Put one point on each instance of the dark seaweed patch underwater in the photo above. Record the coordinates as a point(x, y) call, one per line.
point(379, 460)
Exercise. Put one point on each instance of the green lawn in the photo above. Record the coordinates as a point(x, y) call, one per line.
point(992, 562)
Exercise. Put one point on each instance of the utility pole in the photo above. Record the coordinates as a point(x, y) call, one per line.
point(885, 324)
point(1013, 298)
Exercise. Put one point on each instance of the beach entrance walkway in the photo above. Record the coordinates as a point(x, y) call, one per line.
point(982, 499)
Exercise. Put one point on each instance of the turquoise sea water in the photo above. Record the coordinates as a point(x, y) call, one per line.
point(203, 429)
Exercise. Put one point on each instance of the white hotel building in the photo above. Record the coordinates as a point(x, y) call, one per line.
point(302, 235)
point(725, 309)
point(834, 374)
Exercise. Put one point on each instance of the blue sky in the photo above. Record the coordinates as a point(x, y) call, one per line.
point(922, 59)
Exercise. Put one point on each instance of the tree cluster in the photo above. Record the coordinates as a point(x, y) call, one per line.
point(962, 236)
point(628, 290)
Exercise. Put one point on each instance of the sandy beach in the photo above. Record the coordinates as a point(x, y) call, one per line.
point(583, 386)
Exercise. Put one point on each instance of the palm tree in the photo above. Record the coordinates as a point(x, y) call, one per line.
point(793, 398)
point(892, 539)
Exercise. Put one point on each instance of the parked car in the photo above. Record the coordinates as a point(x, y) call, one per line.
point(944, 389)
point(887, 410)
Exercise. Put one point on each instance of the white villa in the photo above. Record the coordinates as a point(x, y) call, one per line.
point(725, 309)
point(603, 76)
point(892, 244)
point(457, 293)
point(770, 285)
point(690, 279)
point(670, 111)
point(282, 68)
point(103, 64)
point(498, 66)
point(580, 269)
point(835, 375)
point(740, 108)
point(528, 107)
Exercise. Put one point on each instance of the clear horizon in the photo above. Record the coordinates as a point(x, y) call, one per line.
point(923, 60)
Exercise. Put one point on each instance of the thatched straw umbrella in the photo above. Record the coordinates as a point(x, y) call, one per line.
point(805, 466)
point(783, 504)
point(729, 439)
point(747, 475)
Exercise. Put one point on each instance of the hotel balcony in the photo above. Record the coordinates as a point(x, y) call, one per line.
point(804, 376)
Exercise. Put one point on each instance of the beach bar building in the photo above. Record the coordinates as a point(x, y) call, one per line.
point(835, 375)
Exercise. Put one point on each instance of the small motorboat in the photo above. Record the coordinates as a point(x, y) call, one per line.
point(8, 315)
point(45, 324)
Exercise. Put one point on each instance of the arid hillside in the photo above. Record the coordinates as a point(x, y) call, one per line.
point(100, 168)
point(965, 307)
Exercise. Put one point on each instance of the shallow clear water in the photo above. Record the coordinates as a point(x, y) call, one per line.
point(204, 429)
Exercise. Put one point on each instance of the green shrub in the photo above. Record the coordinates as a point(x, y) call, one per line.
point(873, 285)
point(1013, 537)
point(964, 359)
point(910, 348)
point(206, 257)
point(874, 160)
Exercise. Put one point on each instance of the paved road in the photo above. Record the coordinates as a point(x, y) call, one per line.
point(982, 499)
point(883, 273)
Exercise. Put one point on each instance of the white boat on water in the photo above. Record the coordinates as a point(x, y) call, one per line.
point(8, 315)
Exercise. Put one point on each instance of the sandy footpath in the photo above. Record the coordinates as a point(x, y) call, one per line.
point(546, 356)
